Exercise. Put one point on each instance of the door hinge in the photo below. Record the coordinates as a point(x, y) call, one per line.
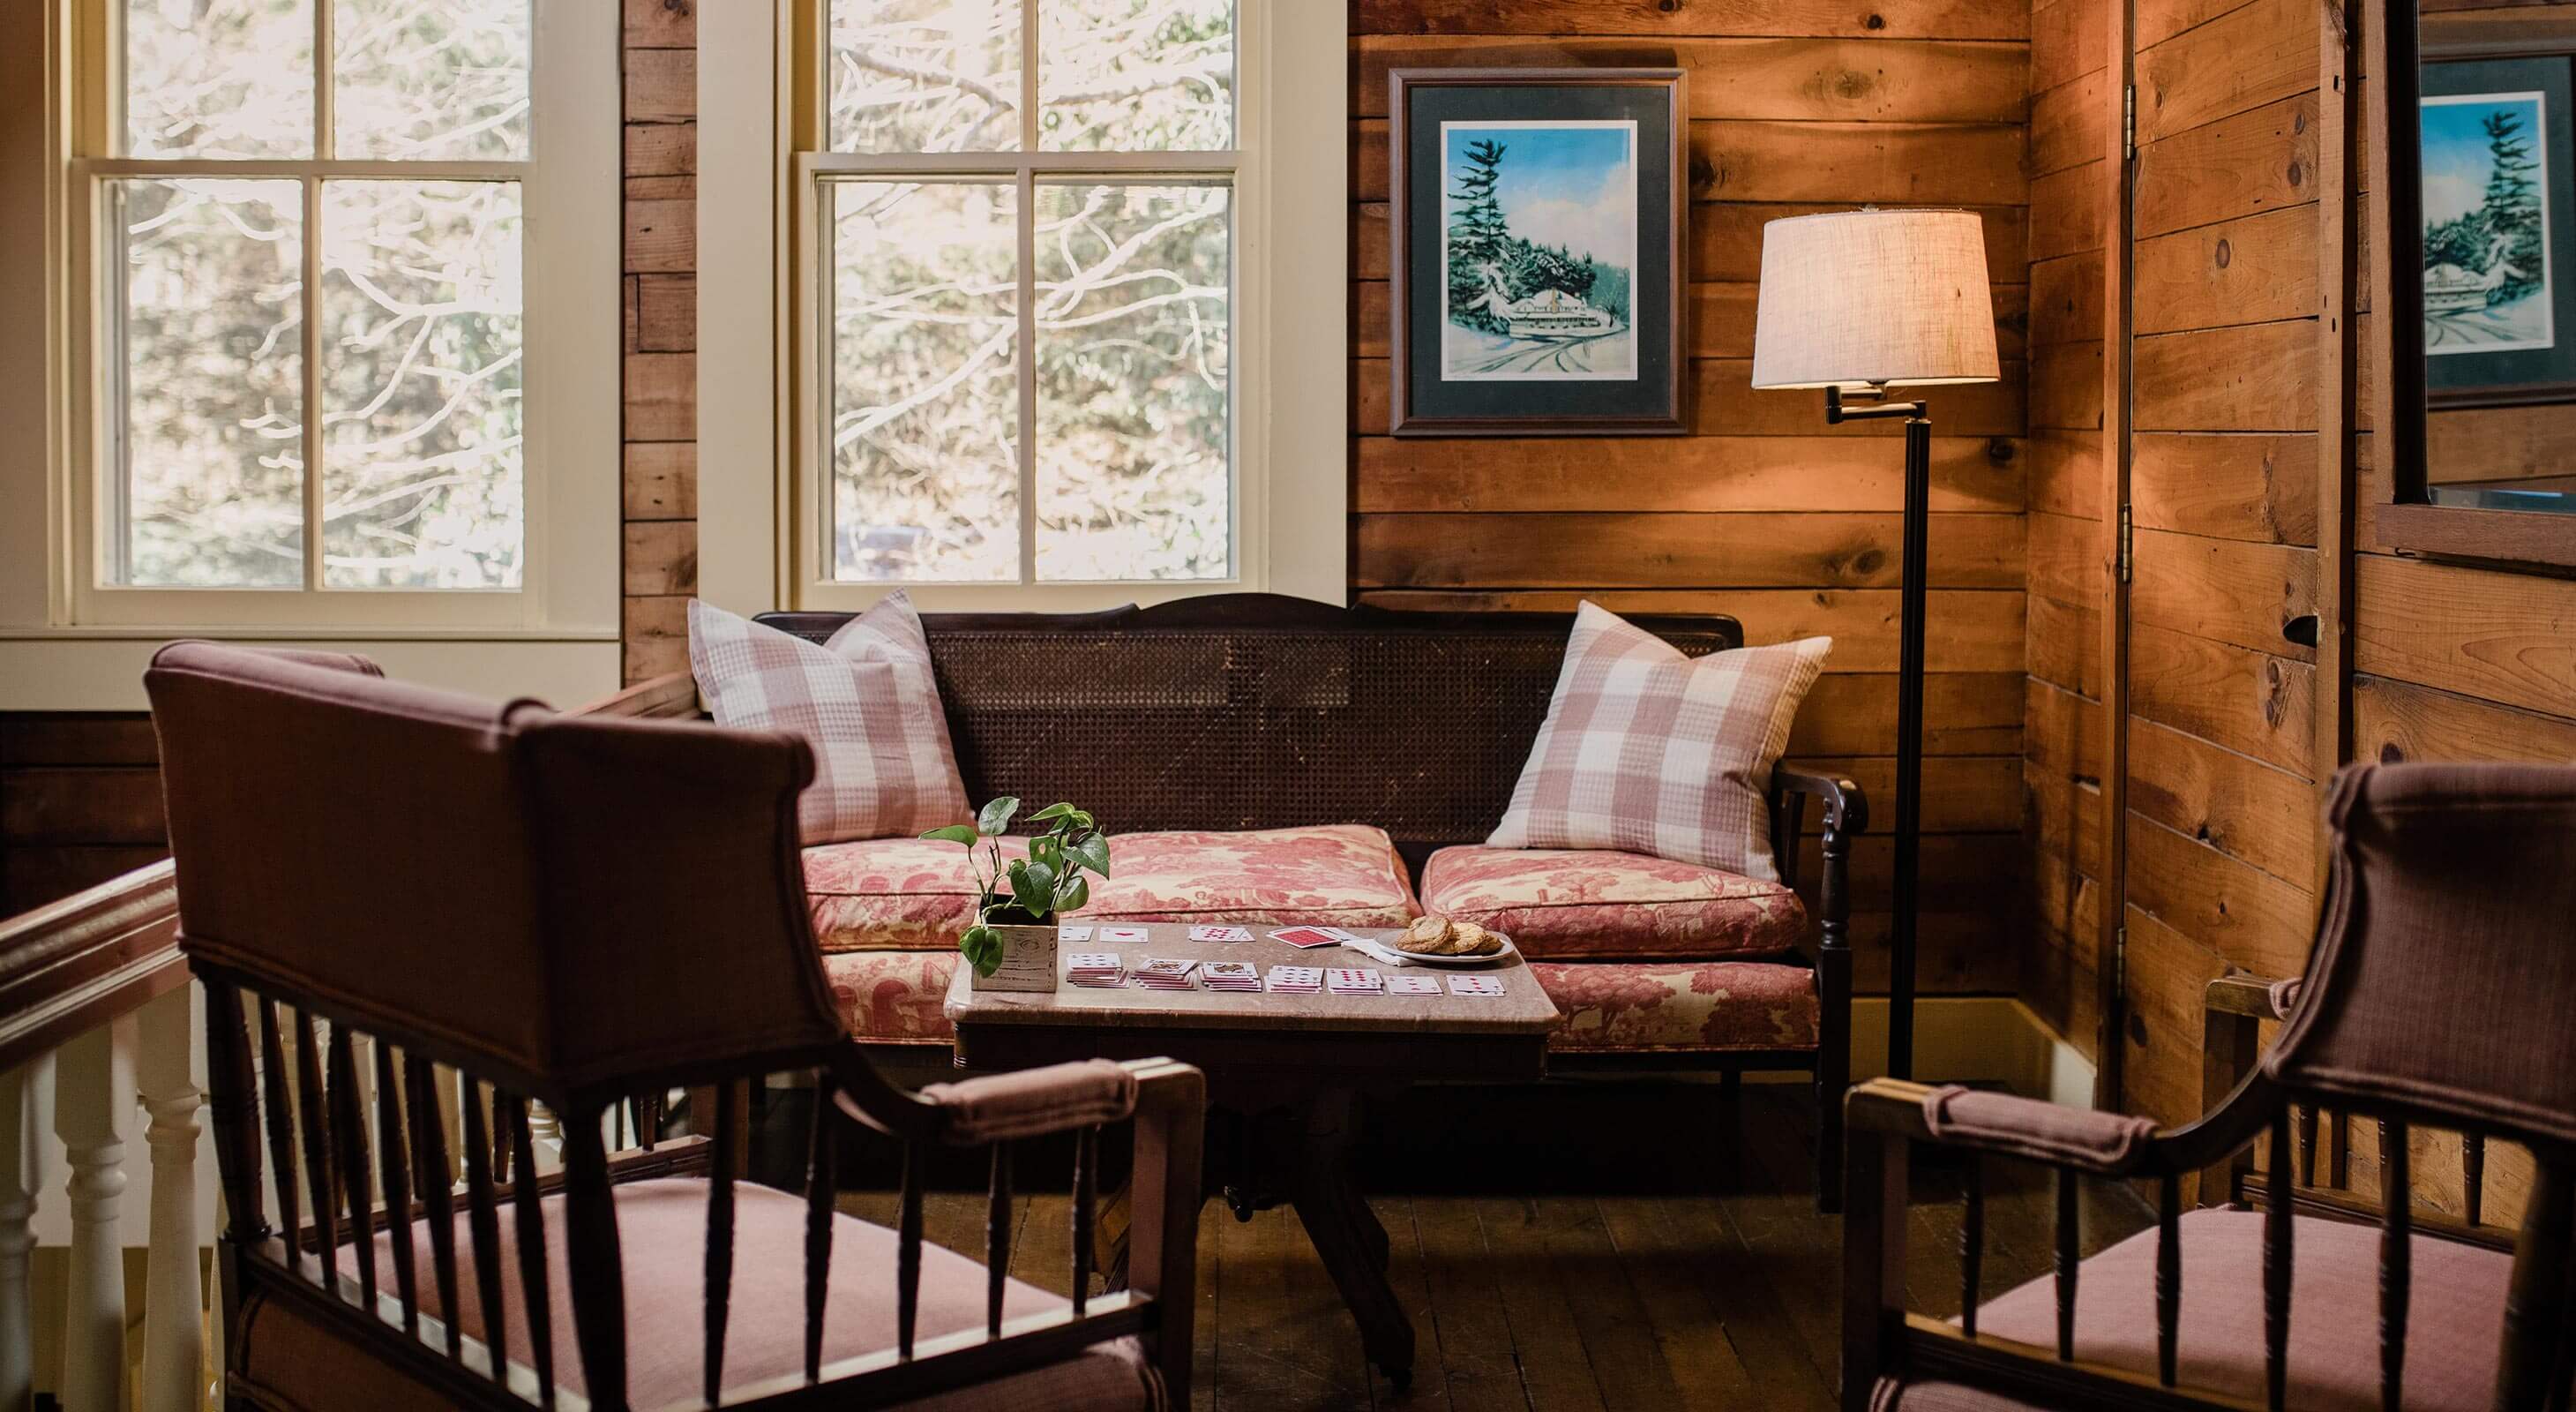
point(2128, 547)
point(2129, 122)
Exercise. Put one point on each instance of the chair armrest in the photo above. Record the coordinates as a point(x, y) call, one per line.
point(1846, 807)
point(2255, 997)
point(2102, 1144)
point(1033, 1102)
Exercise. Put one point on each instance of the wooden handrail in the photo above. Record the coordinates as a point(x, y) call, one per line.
point(70, 966)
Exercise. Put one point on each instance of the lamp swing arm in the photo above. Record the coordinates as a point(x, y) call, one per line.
point(1836, 412)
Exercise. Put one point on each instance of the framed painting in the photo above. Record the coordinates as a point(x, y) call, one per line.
point(2499, 253)
point(1537, 220)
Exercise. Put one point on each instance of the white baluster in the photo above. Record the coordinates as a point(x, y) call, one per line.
point(22, 1175)
point(93, 1106)
point(173, 1304)
point(545, 1137)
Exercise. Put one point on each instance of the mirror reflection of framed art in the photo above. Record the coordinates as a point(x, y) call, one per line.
point(1537, 218)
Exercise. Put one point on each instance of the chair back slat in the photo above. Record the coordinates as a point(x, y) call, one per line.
point(393, 1165)
point(349, 1126)
point(907, 1252)
point(1086, 1159)
point(1972, 1243)
point(597, 1261)
point(483, 1220)
point(322, 1185)
point(528, 1213)
point(2169, 1279)
point(2396, 1262)
point(821, 1185)
point(2536, 1303)
point(719, 1267)
point(281, 1127)
point(234, 1106)
point(2070, 1254)
point(2276, 1270)
point(997, 1238)
point(2473, 1177)
point(436, 1182)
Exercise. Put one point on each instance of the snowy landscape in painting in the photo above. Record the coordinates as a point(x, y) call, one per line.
point(2486, 225)
point(1540, 251)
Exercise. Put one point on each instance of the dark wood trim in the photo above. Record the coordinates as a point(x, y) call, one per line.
point(2110, 1047)
point(2338, 233)
point(1403, 420)
point(70, 966)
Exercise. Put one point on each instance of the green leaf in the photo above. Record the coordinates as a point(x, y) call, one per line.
point(1052, 811)
point(1033, 886)
point(982, 947)
point(1093, 852)
point(997, 815)
point(954, 833)
point(1074, 893)
point(1048, 849)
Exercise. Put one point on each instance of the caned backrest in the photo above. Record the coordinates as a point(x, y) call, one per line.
point(1246, 711)
point(455, 871)
point(2445, 965)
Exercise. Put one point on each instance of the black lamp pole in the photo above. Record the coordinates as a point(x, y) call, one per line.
point(1909, 700)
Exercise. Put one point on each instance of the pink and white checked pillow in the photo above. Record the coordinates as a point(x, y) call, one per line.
point(865, 701)
point(1647, 751)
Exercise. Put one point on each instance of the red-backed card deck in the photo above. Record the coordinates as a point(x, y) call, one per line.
point(1296, 980)
point(1354, 980)
point(1475, 985)
point(1167, 974)
point(1230, 975)
point(1411, 983)
point(1302, 937)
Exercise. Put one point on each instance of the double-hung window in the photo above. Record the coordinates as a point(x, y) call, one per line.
point(319, 386)
point(1023, 236)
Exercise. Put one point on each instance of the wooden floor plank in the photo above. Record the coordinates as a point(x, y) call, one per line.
point(1627, 1360)
point(1407, 1276)
point(1555, 1374)
point(1688, 1268)
point(1475, 1346)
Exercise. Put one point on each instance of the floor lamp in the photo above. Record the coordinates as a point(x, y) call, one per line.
point(1856, 303)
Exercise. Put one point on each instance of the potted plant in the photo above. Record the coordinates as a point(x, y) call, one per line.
point(1012, 941)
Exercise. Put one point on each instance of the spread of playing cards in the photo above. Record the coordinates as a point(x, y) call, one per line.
point(1101, 969)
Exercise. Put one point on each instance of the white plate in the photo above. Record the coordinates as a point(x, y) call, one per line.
point(1387, 953)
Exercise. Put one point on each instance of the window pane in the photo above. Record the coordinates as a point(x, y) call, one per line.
point(1132, 306)
point(925, 390)
point(219, 78)
point(212, 414)
point(925, 75)
point(1136, 75)
point(430, 80)
point(421, 457)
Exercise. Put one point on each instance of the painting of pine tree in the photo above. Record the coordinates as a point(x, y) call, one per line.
point(1540, 241)
point(2486, 225)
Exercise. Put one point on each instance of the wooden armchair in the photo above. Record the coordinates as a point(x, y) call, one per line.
point(2437, 992)
point(477, 900)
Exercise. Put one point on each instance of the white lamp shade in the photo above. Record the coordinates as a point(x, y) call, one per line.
point(1858, 297)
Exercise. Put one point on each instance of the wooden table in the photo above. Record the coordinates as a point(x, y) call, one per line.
point(1284, 1076)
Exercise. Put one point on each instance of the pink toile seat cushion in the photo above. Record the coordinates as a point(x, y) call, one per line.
point(893, 997)
point(1569, 903)
point(1338, 874)
point(892, 894)
point(1639, 1007)
point(2452, 1331)
point(661, 1227)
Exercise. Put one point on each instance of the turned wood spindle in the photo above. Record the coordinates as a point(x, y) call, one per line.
point(1086, 1156)
point(322, 1184)
point(2069, 1255)
point(2307, 1146)
point(2473, 1176)
point(2168, 1278)
point(393, 1169)
point(907, 1252)
point(281, 1131)
point(349, 1125)
point(2396, 1261)
point(821, 1185)
point(483, 1226)
point(997, 1239)
point(529, 1222)
point(429, 1171)
point(1972, 1243)
point(2276, 1270)
point(719, 1277)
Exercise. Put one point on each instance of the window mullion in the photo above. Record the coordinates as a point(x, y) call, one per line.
point(312, 311)
point(1028, 374)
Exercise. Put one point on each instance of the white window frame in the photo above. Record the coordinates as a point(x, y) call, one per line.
point(761, 369)
point(70, 640)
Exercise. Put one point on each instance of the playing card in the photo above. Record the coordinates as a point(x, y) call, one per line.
point(1412, 985)
point(1230, 975)
point(1108, 934)
point(1354, 980)
point(1219, 934)
point(1166, 974)
point(1073, 933)
point(1296, 980)
point(1305, 936)
point(1475, 985)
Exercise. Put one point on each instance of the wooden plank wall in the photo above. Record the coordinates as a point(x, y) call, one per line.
point(1763, 512)
point(661, 375)
point(2221, 863)
point(80, 802)
point(2064, 726)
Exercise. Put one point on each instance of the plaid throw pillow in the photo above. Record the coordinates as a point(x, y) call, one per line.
point(865, 702)
point(1648, 751)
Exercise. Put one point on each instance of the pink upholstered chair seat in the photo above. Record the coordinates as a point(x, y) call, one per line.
point(662, 1244)
point(2451, 1335)
point(1567, 903)
point(1679, 1006)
